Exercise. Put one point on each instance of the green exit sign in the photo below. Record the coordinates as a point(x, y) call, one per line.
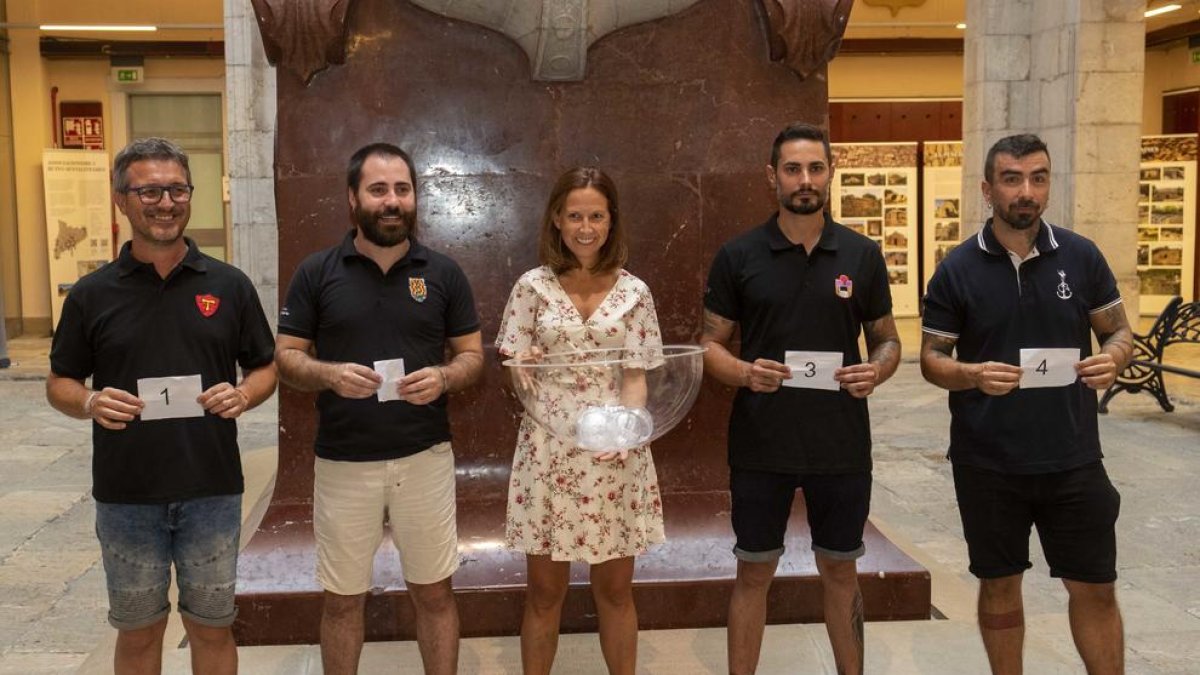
point(127, 75)
point(1195, 56)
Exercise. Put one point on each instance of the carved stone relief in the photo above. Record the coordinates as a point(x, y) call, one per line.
point(556, 34)
point(306, 36)
point(303, 36)
point(806, 34)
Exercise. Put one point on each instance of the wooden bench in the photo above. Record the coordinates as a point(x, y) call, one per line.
point(1178, 323)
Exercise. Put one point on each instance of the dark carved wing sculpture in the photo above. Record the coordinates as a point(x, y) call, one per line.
point(303, 36)
point(306, 36)
point(806, 34)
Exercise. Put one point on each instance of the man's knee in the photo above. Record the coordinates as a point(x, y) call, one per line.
point(140, 639)
point(435, 598)
point(836, 572)
point(343, 606)
point(1001, 587)
point(212, 637)
point(1100, 596)
point(756, 575)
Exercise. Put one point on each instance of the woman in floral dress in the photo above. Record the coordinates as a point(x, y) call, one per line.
point(564, 503)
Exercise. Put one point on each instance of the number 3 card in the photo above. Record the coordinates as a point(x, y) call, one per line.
point(170, 397)
point(1048, 367)
point(813, 370)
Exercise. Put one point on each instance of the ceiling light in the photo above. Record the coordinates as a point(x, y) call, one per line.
point(99, 27)
point(1162, 10)
point(960, 26)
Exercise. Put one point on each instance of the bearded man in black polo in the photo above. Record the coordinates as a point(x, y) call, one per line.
point(800, 287)
point(161, 332)
point(368, 323)
point(1008, 324)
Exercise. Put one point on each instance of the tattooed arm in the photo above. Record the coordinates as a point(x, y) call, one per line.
point(764, 375)
point(939, 366)
point(1112, 330)
point(883, 355)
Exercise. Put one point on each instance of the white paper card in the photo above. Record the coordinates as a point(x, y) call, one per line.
point(392, 371)
point(813, 370)
point(170, 397)
point(1048, 367)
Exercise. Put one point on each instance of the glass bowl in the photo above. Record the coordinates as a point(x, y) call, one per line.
point(605, 400)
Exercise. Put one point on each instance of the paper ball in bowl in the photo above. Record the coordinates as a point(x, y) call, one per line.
point(605, 400)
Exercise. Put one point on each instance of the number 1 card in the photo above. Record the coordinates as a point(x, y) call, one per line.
point(170, 397)
point(1048, 367)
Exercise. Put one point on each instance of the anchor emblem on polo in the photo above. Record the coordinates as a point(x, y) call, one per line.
point(1064, 291)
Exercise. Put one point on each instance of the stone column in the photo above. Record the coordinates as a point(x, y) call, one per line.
point(250, 120)
point(1071, 72)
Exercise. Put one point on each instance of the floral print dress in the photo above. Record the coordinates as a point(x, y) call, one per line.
point(562, 502)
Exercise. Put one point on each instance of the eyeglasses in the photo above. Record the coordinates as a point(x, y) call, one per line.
point(152, 194)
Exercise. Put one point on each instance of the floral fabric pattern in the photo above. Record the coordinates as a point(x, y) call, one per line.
point(561, 501)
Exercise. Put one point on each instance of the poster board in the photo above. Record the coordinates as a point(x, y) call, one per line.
point(874, 193)
point(78, 218)
point(1166, 238)
point(942, 177)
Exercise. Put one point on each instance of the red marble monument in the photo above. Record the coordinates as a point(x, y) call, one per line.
point(681, 110)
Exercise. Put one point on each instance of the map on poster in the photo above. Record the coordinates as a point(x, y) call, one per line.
point(874, 193)
point(78, 218)
point(1166, 231)
point(942, 178)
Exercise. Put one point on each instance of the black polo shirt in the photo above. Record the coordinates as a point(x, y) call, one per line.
point(124, 322)
point(785, 300)
point(353, 312)
point(977, 297)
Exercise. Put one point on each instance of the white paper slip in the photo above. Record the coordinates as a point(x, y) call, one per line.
point(1048, 367)
point(170, 397)
point(392, 371)
point(813, 370)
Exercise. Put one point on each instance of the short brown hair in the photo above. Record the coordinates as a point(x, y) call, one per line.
point(552, 252)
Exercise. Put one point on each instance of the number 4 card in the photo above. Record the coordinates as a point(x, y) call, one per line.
point(1048, 367)
point(170, 397)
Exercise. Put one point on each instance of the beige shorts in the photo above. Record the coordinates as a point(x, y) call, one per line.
point(351, 501)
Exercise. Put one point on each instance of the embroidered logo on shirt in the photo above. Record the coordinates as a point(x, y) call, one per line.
point(843, 286)
point(416, 288)
point(1064, 291)
point(207, 304)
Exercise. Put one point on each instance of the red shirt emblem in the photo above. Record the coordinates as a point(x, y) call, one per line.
point(207, 304)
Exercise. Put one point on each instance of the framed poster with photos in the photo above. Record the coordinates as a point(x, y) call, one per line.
point(1166, 228)
point(874, 193)
point(941, 172)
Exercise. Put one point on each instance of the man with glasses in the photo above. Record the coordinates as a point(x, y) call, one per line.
point(161, 333)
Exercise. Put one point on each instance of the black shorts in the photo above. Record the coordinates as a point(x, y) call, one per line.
point(837, 506)
point(1075, 513)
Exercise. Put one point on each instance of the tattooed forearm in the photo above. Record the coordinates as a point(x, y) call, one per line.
point(716, 327)
point(939, 366)
point(719, 362)
point(883, 346)
point(1114, 334)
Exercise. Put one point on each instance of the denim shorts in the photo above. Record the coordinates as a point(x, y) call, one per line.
point(139, 542)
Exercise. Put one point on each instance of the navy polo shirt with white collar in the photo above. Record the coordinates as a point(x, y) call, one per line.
point(353, 312)
point(785, 299)
point(993, 309)
point(124, 322)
